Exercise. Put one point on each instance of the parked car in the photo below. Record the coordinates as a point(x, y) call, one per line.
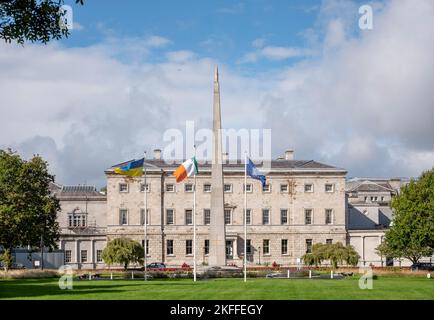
point(156, 265)
point(423, 266)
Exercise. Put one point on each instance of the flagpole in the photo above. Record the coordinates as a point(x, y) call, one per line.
point(194, 220)
point(245, 216)
point(146, 217)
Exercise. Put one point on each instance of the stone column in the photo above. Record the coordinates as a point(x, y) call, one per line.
point(77, 253)
point(217, 256)
point(92, 252)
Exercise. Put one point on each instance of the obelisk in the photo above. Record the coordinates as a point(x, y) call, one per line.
point(217, 253)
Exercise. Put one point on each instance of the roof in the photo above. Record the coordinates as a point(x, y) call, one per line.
point(235, 165)
point(76, 191)
point(368, 186)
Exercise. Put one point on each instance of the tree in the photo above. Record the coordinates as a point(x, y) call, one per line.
point(28, 211)
point(32, 20)
point(335, 253)
point(411, 234)
point(123, 251)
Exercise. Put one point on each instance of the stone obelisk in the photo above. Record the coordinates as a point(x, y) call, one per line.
point(217, 253)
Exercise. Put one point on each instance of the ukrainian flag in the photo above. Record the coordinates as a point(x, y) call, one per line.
point(132, 169)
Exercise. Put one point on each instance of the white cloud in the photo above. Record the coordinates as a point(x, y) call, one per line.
point(366, 104)
point(179, 56)
point(274, 53)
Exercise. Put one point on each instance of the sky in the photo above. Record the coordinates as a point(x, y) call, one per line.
point(357, 99)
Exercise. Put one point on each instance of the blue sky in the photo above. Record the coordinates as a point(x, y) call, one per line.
point(222, 30)
point(357, 99)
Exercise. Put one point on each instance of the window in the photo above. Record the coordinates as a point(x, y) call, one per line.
point(308, 245)
point(98, 255)
point(266, 246)
point(265, 216)
point(123, 187)
point(188, 247)
point(308, 216)
point(142, 187)
point(249, 188)
point(329, 241)
point(123, 216)
point(328, 216)
point(142, 217)
point(83, 256)
point(68, 256)
point(283, 188)
point(248, 216)
point(77, 220)
point(147, 246)
point(170, 187)
point(308, 187)
point(206, 247)
point(374, 198)
point(188, 217)
point(283, 216)
point(227, 188)
point(284, 246)
point(266, 188)
point(170, 219)
point(249, 246)
point(329, 187)
point(366, 199)
point(188, 187)
point(228, 216)
point(169, 247)
point(382, 198)
point(206, 216)
point(207, 187)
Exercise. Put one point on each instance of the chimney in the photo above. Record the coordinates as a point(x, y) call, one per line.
point(289, 154)
point(157, 154)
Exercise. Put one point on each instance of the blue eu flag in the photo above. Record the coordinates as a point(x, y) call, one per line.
point(253, 172)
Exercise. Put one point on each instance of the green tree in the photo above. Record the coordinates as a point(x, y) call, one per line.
point(335, 253)
point(32, 20)
point(411, 234)
point(123, 251)
point(28, 211)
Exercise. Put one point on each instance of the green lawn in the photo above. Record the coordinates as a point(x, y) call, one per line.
point(232, 289)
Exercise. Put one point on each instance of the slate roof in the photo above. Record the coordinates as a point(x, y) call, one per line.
point(77, 191)
point(368, 186)
point(231, 165)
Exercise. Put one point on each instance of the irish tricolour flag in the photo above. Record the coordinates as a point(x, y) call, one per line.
point(187, 169)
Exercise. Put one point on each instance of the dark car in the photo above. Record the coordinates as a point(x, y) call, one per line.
point(156, 265)
point(423, 266)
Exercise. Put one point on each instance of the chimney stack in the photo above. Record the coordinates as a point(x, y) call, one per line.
point(157, 154)
point(289, 154)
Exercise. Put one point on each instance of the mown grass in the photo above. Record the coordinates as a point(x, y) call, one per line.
point(232, 289)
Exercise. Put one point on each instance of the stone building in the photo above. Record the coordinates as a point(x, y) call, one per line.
point(83, 225)
point(302, 203)
point(370, 215)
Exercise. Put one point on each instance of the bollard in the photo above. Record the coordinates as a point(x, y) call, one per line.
point(288, 273)
point(132, 275)
point(428, 275)
point(310, 274)
point(111, 275)
point(90, 277)
point(331, 274)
